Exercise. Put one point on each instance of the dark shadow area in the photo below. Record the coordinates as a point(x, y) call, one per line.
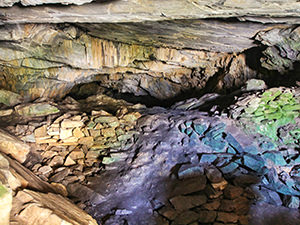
point(272, 78)
point(82, 91)
point(230, 85)
point(61, 6)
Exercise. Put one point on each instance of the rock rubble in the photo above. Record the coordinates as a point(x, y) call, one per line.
point(168, 166)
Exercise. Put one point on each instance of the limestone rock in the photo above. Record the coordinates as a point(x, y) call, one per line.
point(78, 133)
point(186, 218)
point(56, 161)
point(14, 147)
point(36, 109)
point(7, 175)
point(133, 11)
point(71, 123)
point(86, 141)
point(9, 98)
point(139, 68)
point(6, 112)
point(27, 179)
point(65, 133)
point(37, 208)
point(207, 216)
point(77, 154)
point(41, 131)
point(69, 161)
point(255, 84)
point(8, 3)
point(5, 204)
point(108, 132)
point(233, 192)
point(168, 212)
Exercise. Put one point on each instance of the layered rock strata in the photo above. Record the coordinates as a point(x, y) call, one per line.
point(48, 60)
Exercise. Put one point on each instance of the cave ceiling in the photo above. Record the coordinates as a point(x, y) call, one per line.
point(222, 26)
point(157, 48)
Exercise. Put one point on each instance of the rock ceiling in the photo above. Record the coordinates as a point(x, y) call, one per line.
point(156, 48)
point(176, 23)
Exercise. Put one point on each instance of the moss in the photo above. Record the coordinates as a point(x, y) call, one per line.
point(3, 191)
point(274, 109)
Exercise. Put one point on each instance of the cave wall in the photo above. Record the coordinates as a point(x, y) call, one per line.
point(144, 47)
point(42, 60)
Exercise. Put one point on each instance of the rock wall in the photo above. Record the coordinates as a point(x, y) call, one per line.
point(282, 52)
point(39, 60)
point(145, 48)
point(26, 199)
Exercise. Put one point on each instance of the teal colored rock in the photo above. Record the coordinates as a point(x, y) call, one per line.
point(239, 161)
point(295, 172)
point(272, 182)
point(275, 157)
point(270, 196)
point(217, 131)
point(200, 129)
point(189, 130)
point(294, 202)
point(223, 159)
point(188, 123)
point(208, 158)
point(297, 160)
point(284, 189)
point(216, 134)
point(229, 168)
point(251, 149)
point(267, 146)
point(190, 172)
point(194, 139)
point(290, 182)
point(234, 143)
point(255, 163)
point(231, 150)
point(216, 145)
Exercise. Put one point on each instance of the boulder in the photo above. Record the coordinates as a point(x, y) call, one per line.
point(35, 208)
point(9, 98)
point(5, 204)
point(36, 109)
point(10, 145)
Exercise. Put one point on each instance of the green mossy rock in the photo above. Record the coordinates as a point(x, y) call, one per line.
point(10, 98)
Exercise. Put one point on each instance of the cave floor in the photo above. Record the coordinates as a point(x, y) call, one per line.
point(129, 164)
